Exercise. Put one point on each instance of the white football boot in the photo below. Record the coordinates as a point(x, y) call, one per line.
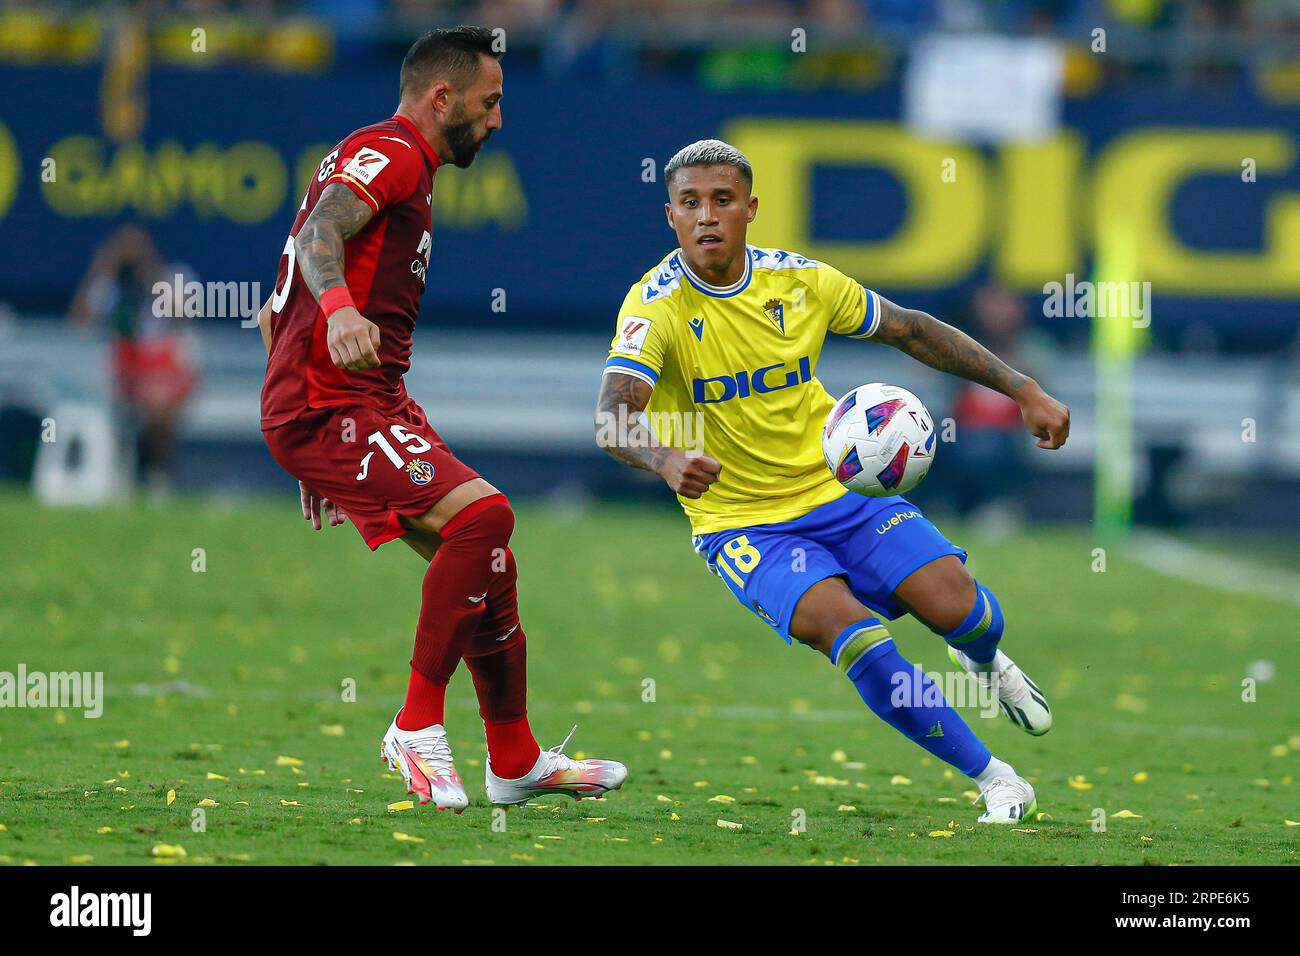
point(555, 772)
point(1018, 696)
point(1007, 800)
point(423, 757)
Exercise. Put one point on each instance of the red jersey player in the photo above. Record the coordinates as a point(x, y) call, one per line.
point(336, 416)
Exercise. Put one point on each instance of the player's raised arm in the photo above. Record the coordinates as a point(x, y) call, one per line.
point(942, 347)
point(623, 434)
point(339, 215)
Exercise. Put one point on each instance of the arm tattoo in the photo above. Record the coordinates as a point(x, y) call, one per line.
point(619, 429)
point(339, 215)
point(942, 347)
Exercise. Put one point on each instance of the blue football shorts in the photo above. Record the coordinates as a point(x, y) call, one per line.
point(872, 543)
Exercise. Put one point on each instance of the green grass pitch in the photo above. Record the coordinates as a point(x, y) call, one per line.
point(215, 677)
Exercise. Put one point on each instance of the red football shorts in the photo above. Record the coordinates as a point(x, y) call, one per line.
point(376, 467)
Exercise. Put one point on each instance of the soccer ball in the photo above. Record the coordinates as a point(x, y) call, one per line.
point(879, 440)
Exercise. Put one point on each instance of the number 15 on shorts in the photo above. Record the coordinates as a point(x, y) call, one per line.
point(412, 444)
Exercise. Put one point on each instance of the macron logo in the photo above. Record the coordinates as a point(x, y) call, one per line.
point(103, 909)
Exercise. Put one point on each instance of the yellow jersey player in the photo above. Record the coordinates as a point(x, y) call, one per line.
point(711, 383)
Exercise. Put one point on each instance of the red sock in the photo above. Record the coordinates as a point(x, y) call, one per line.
point(511, 747)
point(453, 598)
point(497, 658)
point(424, 703)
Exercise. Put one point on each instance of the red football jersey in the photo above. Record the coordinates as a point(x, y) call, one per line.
point(390, 166)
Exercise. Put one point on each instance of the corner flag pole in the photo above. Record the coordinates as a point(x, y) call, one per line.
point(1116, 341)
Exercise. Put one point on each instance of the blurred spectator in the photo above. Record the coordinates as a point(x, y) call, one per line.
point(139, 297)
point(990, 450)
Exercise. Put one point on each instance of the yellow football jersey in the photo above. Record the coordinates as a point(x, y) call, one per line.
point(733, 371)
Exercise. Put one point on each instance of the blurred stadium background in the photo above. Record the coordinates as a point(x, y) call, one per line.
point(957, 155)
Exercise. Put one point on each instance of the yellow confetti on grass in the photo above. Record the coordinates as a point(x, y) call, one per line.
point(207, 802)
point(332, 730)
point(1147, 839)
point(290, 803)
point(675, 816)
point(729, 825)
point(215, 776)
point(102, 830)
point(354, 821)
point(898, 780)
point(79, 859)
point(662, 799)
point(400, 805)
point(1292, 823)
point(1278, 750)
point(283, 761)
point(171, 797)
point(3, 828)
point(942, 833)
point(847, 808)
point(406, 837)
point(749, 760)
point(594, 819)
point(1141, 777)
point(722, 798)
point(839, 756)
point(173, 851)
point(1125, 815)
point(121, 744)
point(824, 781)
point(1078, 782)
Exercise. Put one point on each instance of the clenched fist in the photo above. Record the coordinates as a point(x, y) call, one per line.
point(1046, 418)
point(353, 340)
point(689, 475)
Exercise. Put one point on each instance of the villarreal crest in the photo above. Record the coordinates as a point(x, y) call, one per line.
point(421, 471)
point(774, 309)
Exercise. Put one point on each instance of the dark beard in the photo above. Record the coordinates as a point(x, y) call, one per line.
point(460, 140)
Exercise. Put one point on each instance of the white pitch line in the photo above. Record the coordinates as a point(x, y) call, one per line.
point(1178, 559)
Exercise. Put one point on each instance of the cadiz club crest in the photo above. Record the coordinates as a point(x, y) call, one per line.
point(421, 471)
point(774, 309)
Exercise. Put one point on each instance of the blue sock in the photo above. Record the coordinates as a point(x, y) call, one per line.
point(977, 637)
point(900, 694)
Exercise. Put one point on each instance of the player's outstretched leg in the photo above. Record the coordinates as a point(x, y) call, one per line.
point(900, 694)
point(454, 593)
point(968, 616)
point(517, 768)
